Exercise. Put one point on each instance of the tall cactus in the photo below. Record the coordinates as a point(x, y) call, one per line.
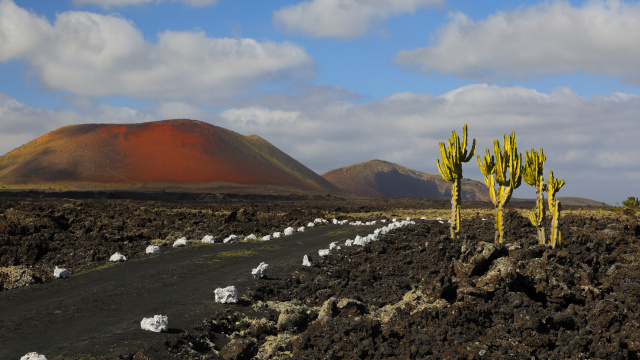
point(533, 174)
point(495, 172)
point(553, 186)
point(451, 170)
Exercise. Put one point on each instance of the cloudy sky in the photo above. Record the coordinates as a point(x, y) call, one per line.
point(339, 82)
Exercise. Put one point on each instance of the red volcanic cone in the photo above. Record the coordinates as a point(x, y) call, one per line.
point(173, 152)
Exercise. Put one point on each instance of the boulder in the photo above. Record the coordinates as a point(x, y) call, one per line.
point(301, 229)
point(227, 295)
point(33, 356)
point(153, 249)
point(158, 323)
point(208, 239)
point(251, 237)
point(182, 242)
point(276, 235)
point(60, 273)
point(261, 271)
point(266, 238)
point(117, 257)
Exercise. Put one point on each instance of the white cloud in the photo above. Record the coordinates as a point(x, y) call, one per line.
point(22, 123)
point(344, 19)
point(589, 142)
point(550, 38)
point(106, 4)
point(95, 55)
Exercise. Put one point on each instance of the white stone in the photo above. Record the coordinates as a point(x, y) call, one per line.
point(306, 261)
point(266, 238)
point(158, 323)
point(152, 249)
point(33, 356)
point(230, 239)
point(324, 253)
point(251, 237)
point(208, 239)
point(423, 218)
point(276, 235)
point(310, 225)
point(227, 295)
point(384, 221)
point(318, 220)
point(60, 273)
point(182, 242)
point(301, 229)
point(288, 231)
point(334, 246)
point(261, 271)
point(348, 242)
point(117, 257)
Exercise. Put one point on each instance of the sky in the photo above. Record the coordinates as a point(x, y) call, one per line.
point(338, 82)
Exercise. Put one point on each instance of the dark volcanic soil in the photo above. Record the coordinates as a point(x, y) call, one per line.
point(416, 294)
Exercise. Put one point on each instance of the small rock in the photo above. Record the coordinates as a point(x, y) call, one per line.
point(182, 242)
point(276, 235)
point(33, 356)
point(301, 229)
point(117, 257)
point(158, 323)
point(334, 246)
point(266, 238)
point(153, 249)
point(261, 271)
point(230, 239)
point(306, 261)
point(208, 239)
point(251, 237)
point(324, 253)
point(60, 273)
point(288, 231)
point(227, 295)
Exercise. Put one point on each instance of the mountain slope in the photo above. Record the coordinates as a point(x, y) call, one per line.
point(175, 153)
point(382, 179)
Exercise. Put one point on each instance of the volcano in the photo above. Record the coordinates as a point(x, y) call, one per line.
point(171, 154)
point(382, 179)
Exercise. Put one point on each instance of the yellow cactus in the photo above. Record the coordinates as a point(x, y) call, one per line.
point(553, 186)
point(451, 170)
point(495, 170)
point(533, 175)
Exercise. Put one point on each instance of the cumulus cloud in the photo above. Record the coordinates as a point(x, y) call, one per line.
point(344, 19)
point(106, 4)
point(588, 141)
point(96, 55)
point(22, 123)
point(601, 36)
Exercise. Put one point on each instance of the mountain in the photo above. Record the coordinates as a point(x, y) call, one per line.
point(382, 179)
point(172, 154)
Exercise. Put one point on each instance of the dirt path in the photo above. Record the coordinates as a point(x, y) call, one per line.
point(99, 312)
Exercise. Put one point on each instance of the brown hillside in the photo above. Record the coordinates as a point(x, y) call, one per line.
point(382, 179)
point(171, 153)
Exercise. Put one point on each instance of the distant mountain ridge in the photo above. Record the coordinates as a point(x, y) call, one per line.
point(176, 153)
point(383, 179)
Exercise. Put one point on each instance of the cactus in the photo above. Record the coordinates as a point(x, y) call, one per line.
point(451, 170)
point(533, 175)
point(495, 171)
point(553, 186)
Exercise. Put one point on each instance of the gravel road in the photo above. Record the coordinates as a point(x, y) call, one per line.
point(99, 312)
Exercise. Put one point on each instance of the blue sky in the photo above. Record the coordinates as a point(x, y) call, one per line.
point(339, 82)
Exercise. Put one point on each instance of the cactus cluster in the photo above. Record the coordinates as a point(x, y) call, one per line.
point(503, 172)
point(451, 170)
point(503, 169)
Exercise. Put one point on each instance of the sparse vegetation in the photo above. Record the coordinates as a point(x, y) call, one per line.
point(533, 174)
point(451, 170)
point(504, 170)
point(632, 203)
